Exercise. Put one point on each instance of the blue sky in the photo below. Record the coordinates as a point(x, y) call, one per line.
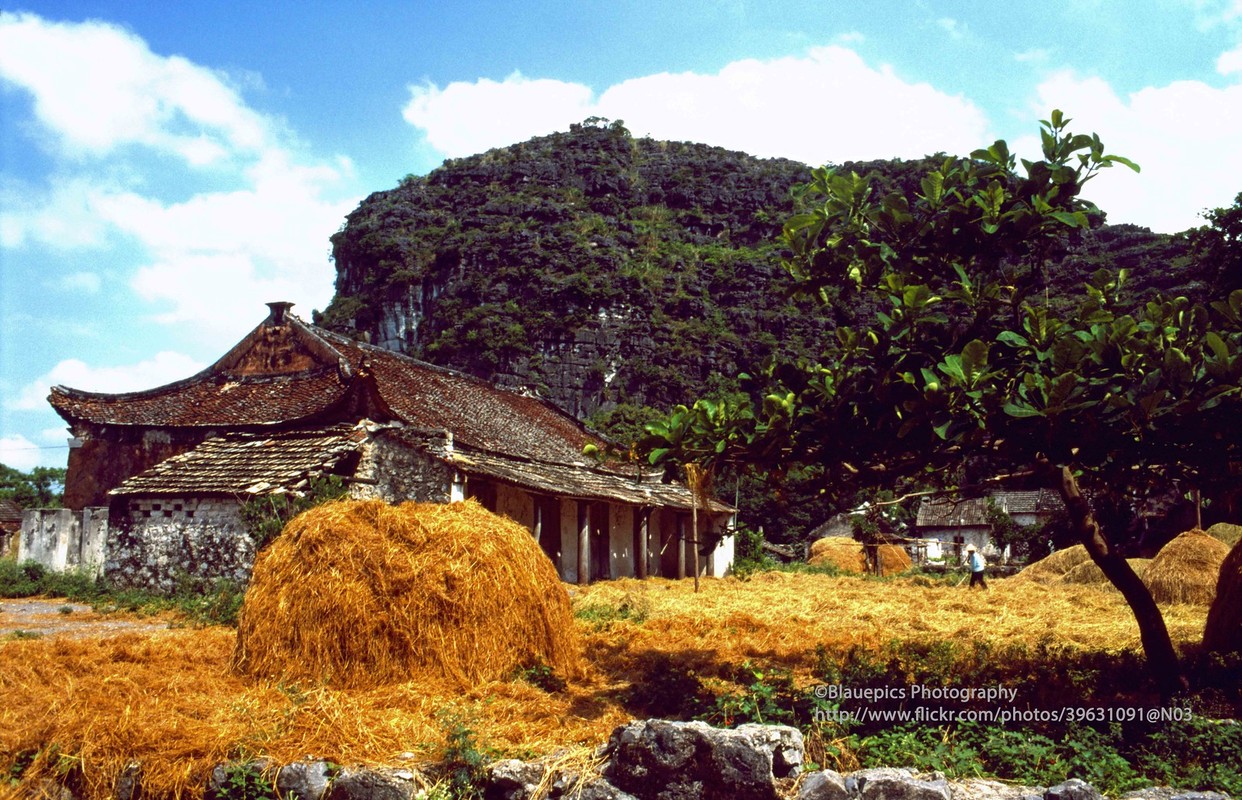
point(165, 168)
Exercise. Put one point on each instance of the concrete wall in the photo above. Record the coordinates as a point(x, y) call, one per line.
point(61, 539)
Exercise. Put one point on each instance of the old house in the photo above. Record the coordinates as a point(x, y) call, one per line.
point(949, 524)
point(290, 402)
point(10, 524)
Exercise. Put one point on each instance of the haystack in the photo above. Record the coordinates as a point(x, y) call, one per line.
point(893, 559)
point(839, 551)
point(1228, 533)
point(1054, 567)
point(357, 594)
point(1223, 631)
point(1089, 573)
point(1185, 569)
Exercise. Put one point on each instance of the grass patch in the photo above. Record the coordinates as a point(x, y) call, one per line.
point(198, 602)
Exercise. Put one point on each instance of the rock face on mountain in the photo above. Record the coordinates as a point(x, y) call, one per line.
point(618, 275)
point(601, 269)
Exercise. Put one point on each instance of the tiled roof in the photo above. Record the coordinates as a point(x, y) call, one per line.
point(598, 483)
point(972, 512)
point(240, 464)
point(255, 463)
point(210, 400)
point(287, 374)
point(10, 514)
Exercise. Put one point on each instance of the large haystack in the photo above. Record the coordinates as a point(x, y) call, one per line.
point(1185, 569)
point(841, 552)
point(364, 593)
point(1089, 573)
point(893, 559)
point(1054, 567)
point(1227, 532)
point(1223, 631)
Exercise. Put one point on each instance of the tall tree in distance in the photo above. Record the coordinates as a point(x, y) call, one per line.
point(964, 373)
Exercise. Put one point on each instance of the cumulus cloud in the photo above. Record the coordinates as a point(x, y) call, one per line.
point(164, 367)
point(63, 216)
point(769, 108)
point(1183, 135)
point(1230, 63)
point(115, 115)
point(465, 118)
point(97, 87)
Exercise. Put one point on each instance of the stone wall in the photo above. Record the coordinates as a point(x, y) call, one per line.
point(390, 469)
point(61, 539)
point(165, 541)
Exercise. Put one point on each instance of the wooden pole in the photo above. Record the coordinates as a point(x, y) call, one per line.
point(681, 546)
point(644, 551)
point(584, 542)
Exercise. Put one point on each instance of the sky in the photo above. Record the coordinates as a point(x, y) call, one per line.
point(167, 168)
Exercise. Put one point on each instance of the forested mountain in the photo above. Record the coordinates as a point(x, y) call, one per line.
point(619, 275)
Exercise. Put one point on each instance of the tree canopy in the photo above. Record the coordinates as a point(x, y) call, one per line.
point(967, 370)
point(42, 487)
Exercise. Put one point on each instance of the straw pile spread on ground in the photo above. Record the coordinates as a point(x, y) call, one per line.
point(893, 559)
point(839, 551)
point(362, 594)
point(1053, 568)
point(1228, 533)
point(1185, 569)
point(1088, 572)
point(1223, 631)
point(169, 701)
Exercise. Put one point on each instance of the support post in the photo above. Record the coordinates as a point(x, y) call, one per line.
point(584, 542)
point(681, 546)
point(643, 525)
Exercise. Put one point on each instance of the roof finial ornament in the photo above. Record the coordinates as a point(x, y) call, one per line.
point(278, 311)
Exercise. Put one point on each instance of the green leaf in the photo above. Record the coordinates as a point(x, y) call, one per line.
point(1021, 410)
point(1013, 339)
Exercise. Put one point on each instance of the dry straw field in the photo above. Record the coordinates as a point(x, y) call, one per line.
point(171, 700)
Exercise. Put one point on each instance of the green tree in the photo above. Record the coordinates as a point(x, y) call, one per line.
point(42, 487)
point(1218, 246)
point(965, 373)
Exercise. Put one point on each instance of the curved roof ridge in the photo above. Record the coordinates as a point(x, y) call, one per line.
point(453, 373)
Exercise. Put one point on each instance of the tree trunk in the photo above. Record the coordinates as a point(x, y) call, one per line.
point(1161, 657)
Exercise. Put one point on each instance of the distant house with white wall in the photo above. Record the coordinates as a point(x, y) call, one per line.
point(949, 524)
point(292, 402)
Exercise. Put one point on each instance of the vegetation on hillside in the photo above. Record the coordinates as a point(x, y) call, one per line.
point(622, 276)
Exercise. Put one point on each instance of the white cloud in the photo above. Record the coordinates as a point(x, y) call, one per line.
point(1212, 13)
point(1230, 63)
point(1183, 135)
point(767, 108)
point(97, 87)
point(112, 113)
point(20, 453)
point(467, 118)
point(63, 217)
point(164, 367)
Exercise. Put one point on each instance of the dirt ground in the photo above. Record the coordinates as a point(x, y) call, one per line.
point(30, 617)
